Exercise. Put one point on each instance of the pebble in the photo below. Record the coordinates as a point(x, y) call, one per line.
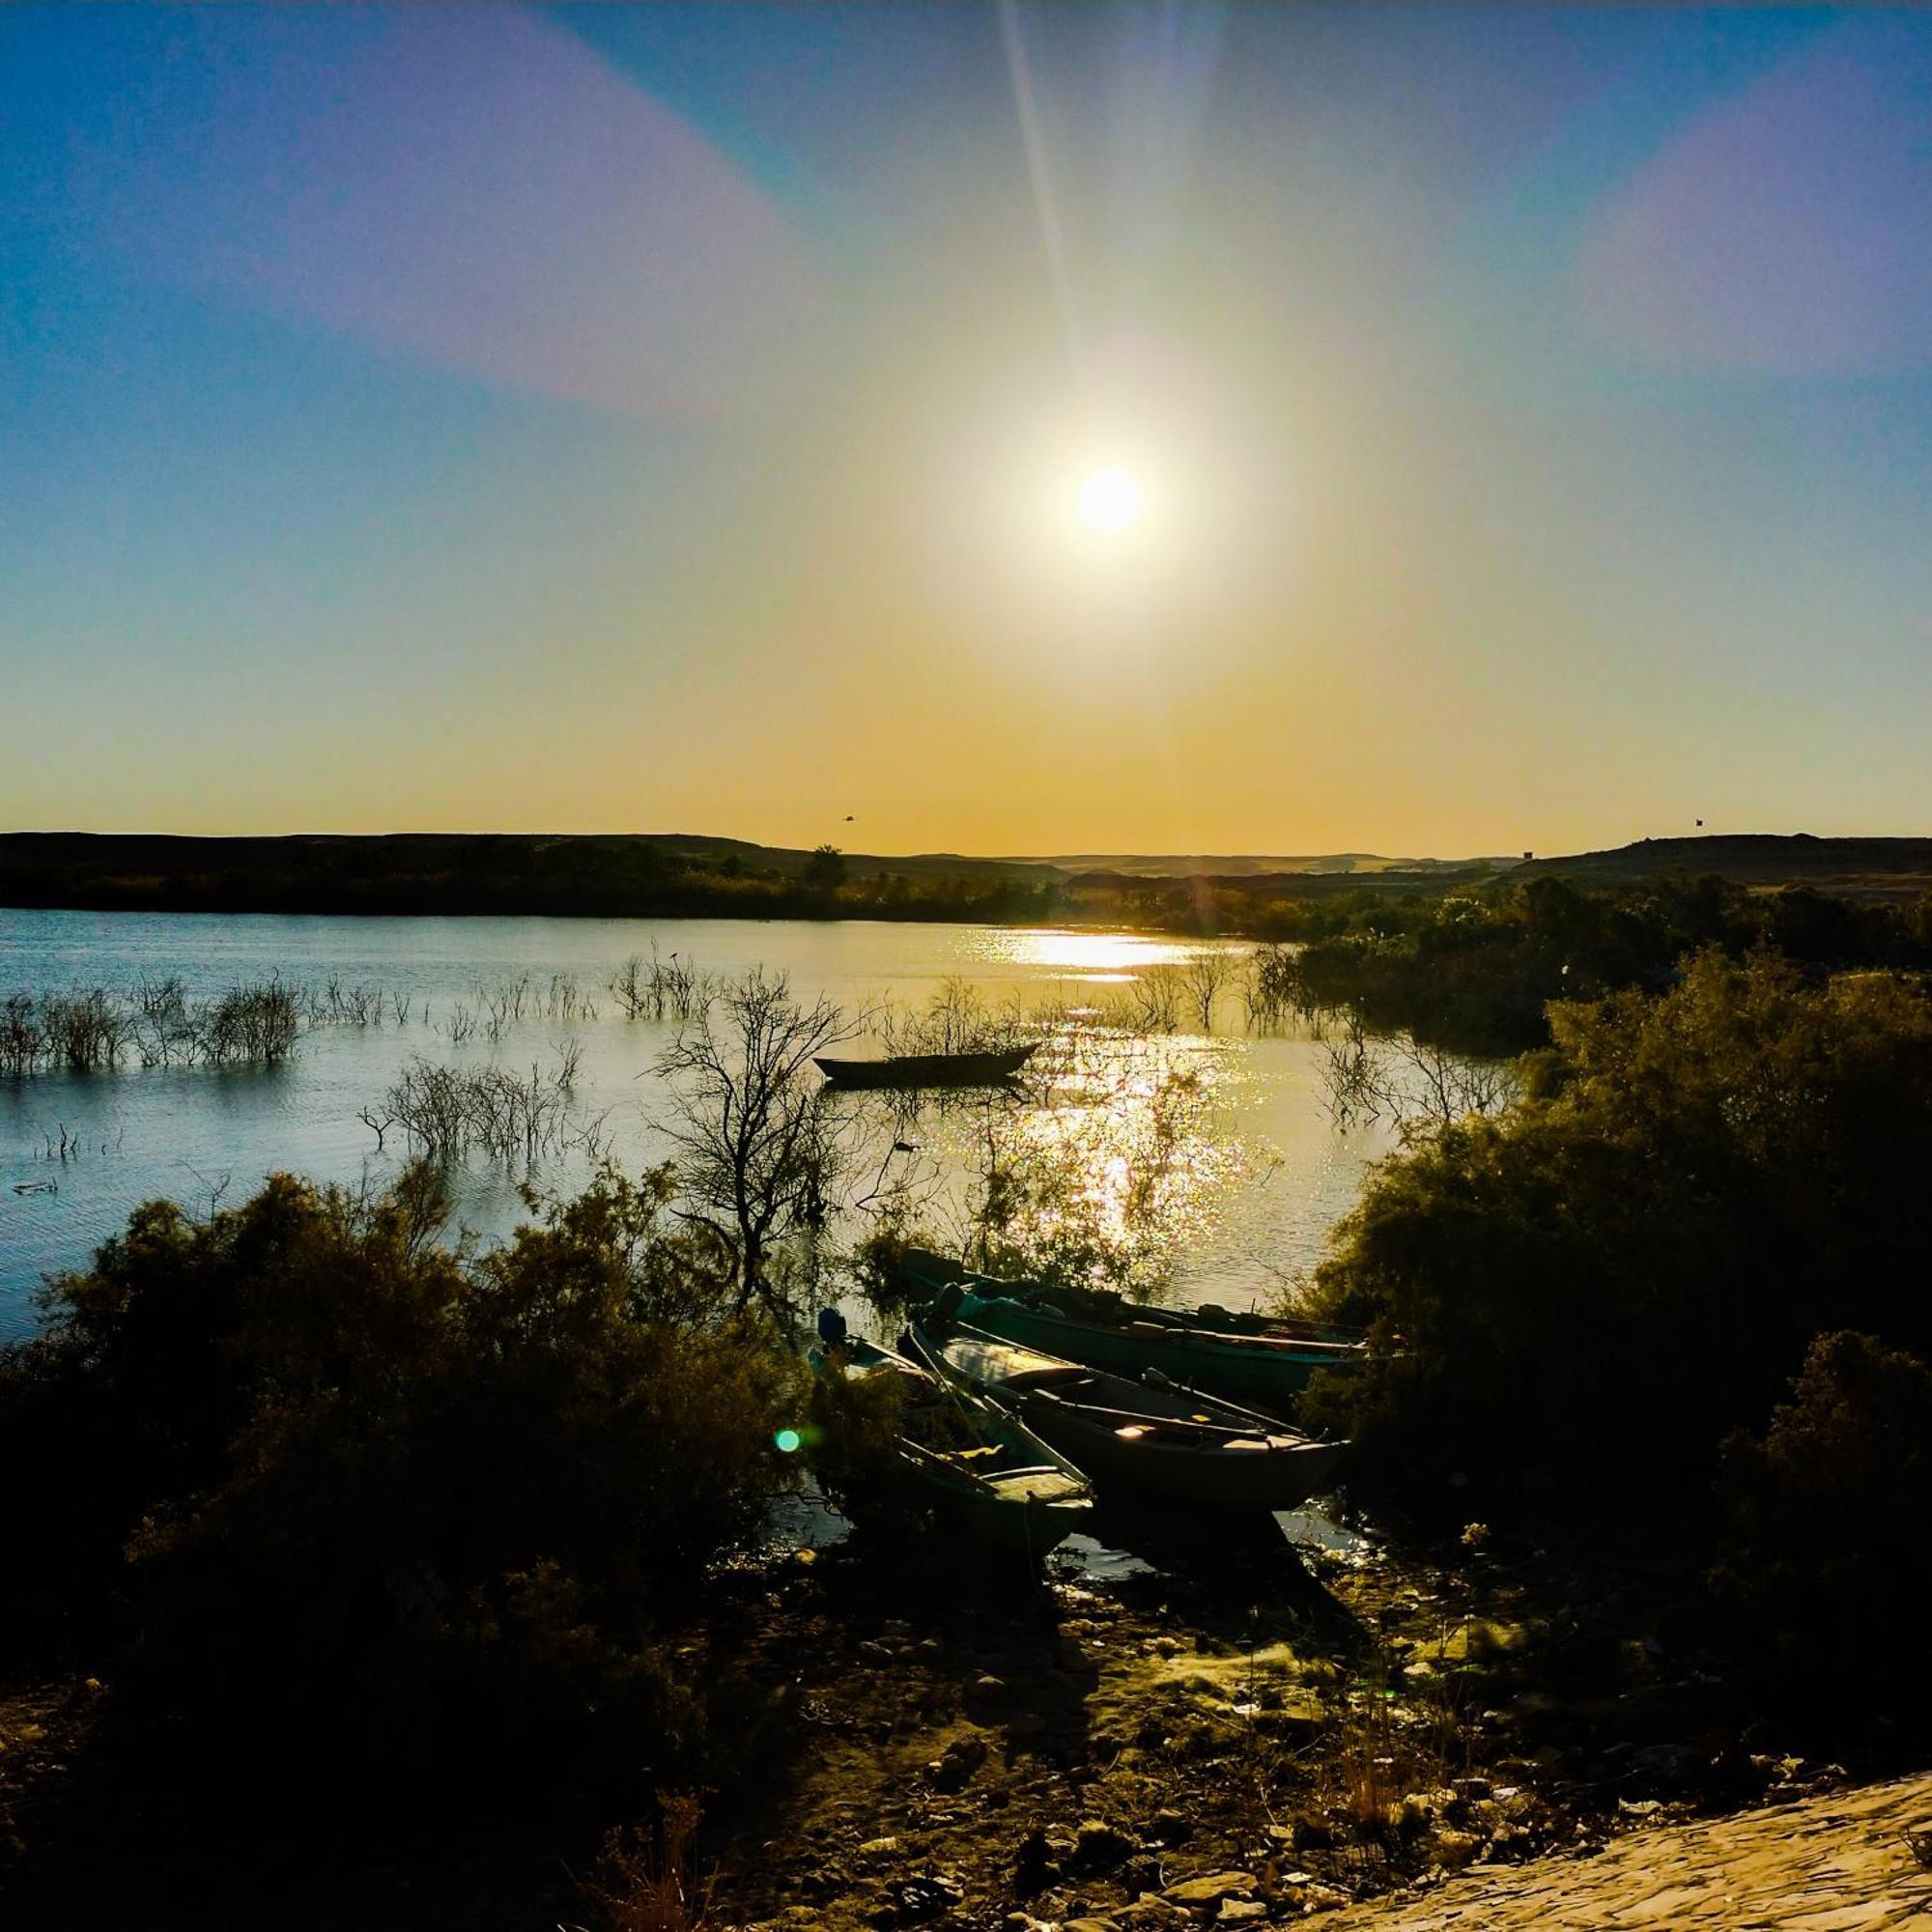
point(1100, 1844)
point(1210, 1888)
point(960, 1760)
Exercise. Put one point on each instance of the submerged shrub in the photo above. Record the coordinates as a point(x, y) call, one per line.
point(260, 1022)
point(89, 1030)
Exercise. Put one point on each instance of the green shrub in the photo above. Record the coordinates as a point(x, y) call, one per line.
point(853, 1430)
point(1586, 1293)
point(1827, 1543)
point(1477, 970)
point(368, 1497)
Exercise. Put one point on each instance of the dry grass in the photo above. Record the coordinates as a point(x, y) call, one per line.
point(645, 1883)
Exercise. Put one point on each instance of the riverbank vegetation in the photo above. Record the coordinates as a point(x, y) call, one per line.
point(357, 1518)
point(1476, 970)
point(361, 1567)
point(760, 1151)
point(1696, 1244)
point(447, 1112)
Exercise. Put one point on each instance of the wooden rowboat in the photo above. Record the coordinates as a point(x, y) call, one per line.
point(1137, 1439)
point(930, 1070)
point(972, 1460)
point(1250, 1357)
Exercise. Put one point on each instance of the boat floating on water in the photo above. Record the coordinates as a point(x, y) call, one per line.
point(1140, 1438)
point(930, 1070)
point(1253, 1357)
point(972, 1459)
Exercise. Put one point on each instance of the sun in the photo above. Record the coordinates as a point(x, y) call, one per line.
point(1109, 501)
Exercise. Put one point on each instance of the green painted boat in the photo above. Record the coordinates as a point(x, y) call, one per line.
point(1251, 1357)
point(1141, 1438)
point(972, 1460)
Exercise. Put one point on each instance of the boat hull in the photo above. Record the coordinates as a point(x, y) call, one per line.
point(1228, 1365)
point(1028, 1528)
point(1028, 1504)
point(1250, 1357)
point(929, 1069)
point(1147, 1444)
point(1271, 1480)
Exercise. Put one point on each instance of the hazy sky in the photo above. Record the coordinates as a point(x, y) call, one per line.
point(672, 418)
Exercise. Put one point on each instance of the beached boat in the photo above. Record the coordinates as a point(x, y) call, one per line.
point(1252, 1357)
point(1144, 1440)
point(973, 1460)
point(930, 1070)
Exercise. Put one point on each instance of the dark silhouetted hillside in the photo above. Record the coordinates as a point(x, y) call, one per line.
point(1865, 867)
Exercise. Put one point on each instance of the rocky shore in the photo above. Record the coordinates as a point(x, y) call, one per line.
point(1227, 1734)
point(1280, 1738)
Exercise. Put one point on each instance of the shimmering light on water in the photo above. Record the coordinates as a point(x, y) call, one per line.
point(1127, 1154)
point(1108, 957)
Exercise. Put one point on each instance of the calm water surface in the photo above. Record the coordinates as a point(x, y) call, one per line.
point(1252, 1171)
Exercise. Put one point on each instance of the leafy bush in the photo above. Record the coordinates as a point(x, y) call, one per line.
point(1478, 971)
point(853, 1425)
point(1588, 1293)
point(364, 1495)
point(1827, 1546)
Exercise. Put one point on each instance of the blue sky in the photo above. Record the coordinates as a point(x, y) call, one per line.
point(665, 417)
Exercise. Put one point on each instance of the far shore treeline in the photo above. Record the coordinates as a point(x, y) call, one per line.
point(639, 875)
point(635, 875)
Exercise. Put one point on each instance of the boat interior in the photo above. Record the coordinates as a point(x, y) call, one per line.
point(1132, 1411)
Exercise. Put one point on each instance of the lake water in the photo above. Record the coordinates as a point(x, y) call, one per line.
point(1235, 1170)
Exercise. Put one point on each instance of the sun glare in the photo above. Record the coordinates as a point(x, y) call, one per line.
point(1109, 501)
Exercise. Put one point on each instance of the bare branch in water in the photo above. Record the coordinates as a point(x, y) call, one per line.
point(1412, 1085)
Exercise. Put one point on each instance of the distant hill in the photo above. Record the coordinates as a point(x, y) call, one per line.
point(791, 860)
point(497, 870)
point(1243, 866)
point(615, 874)
point(1862, 868)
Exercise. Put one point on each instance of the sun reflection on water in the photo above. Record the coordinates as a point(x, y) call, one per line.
point(1118, 1153)
point(1100, 957)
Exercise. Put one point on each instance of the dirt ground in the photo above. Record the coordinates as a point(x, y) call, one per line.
point(1247, 1730)
point(1230, 1728)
